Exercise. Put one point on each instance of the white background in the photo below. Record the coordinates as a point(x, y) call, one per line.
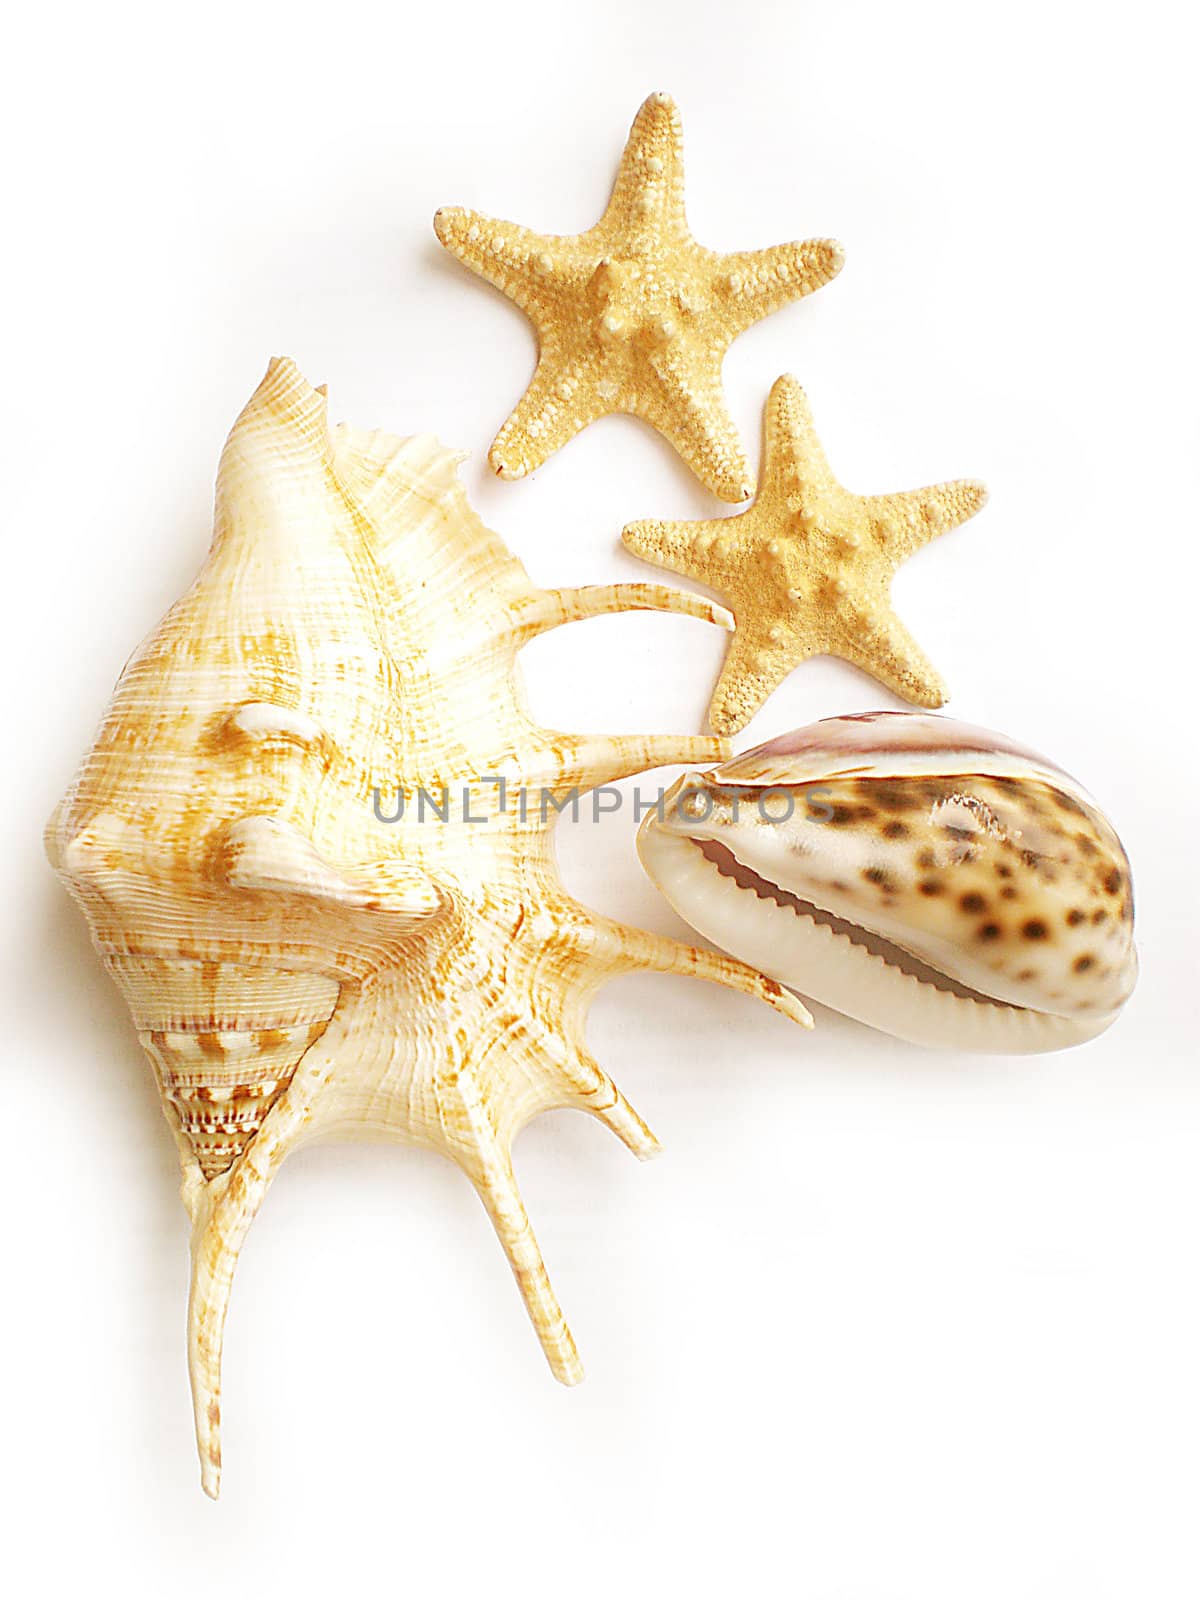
point(880, 1323)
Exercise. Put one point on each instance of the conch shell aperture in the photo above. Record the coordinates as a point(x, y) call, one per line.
point(932, 879)
point(296, 967)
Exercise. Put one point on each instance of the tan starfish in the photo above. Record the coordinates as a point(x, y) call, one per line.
point(634, 315)
point(808, 569)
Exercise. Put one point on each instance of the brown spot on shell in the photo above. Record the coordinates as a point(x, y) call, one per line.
point(1067, 802)
point(1075, 916)
point(1035, 928)
point(894, 796)
point(1113, 881)
point(973, 901)
point(990, 931)
point(1083, 963)
point(895, 830)
point(268, 1038)
point(931, 886)
point(211, 1044)
point(877, 875)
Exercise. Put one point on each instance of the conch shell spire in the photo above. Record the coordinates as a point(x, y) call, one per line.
point(298, 963)
point(284, 424)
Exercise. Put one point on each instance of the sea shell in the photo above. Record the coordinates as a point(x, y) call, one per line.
point(297, 963)
point(930, 878)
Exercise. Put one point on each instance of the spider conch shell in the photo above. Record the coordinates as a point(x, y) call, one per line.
point(297, 963)
point(930, 878)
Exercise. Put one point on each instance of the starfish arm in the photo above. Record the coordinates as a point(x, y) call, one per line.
point(534, 270)
point(678, 546)
point(754, 283)
point(686, 404)
point(559, 403)
point(884, 648)
point(647, 196)
point(904, 522)
point(793, 459)
point(753, 670)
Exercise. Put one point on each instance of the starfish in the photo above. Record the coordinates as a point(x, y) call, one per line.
point(634, 315)
point(808, 569)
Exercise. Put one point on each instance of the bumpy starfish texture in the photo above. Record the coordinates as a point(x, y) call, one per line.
point(808, 569)
point(634, 315)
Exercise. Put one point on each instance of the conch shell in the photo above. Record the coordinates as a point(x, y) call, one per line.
point(298, 963)
point(932, 879)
